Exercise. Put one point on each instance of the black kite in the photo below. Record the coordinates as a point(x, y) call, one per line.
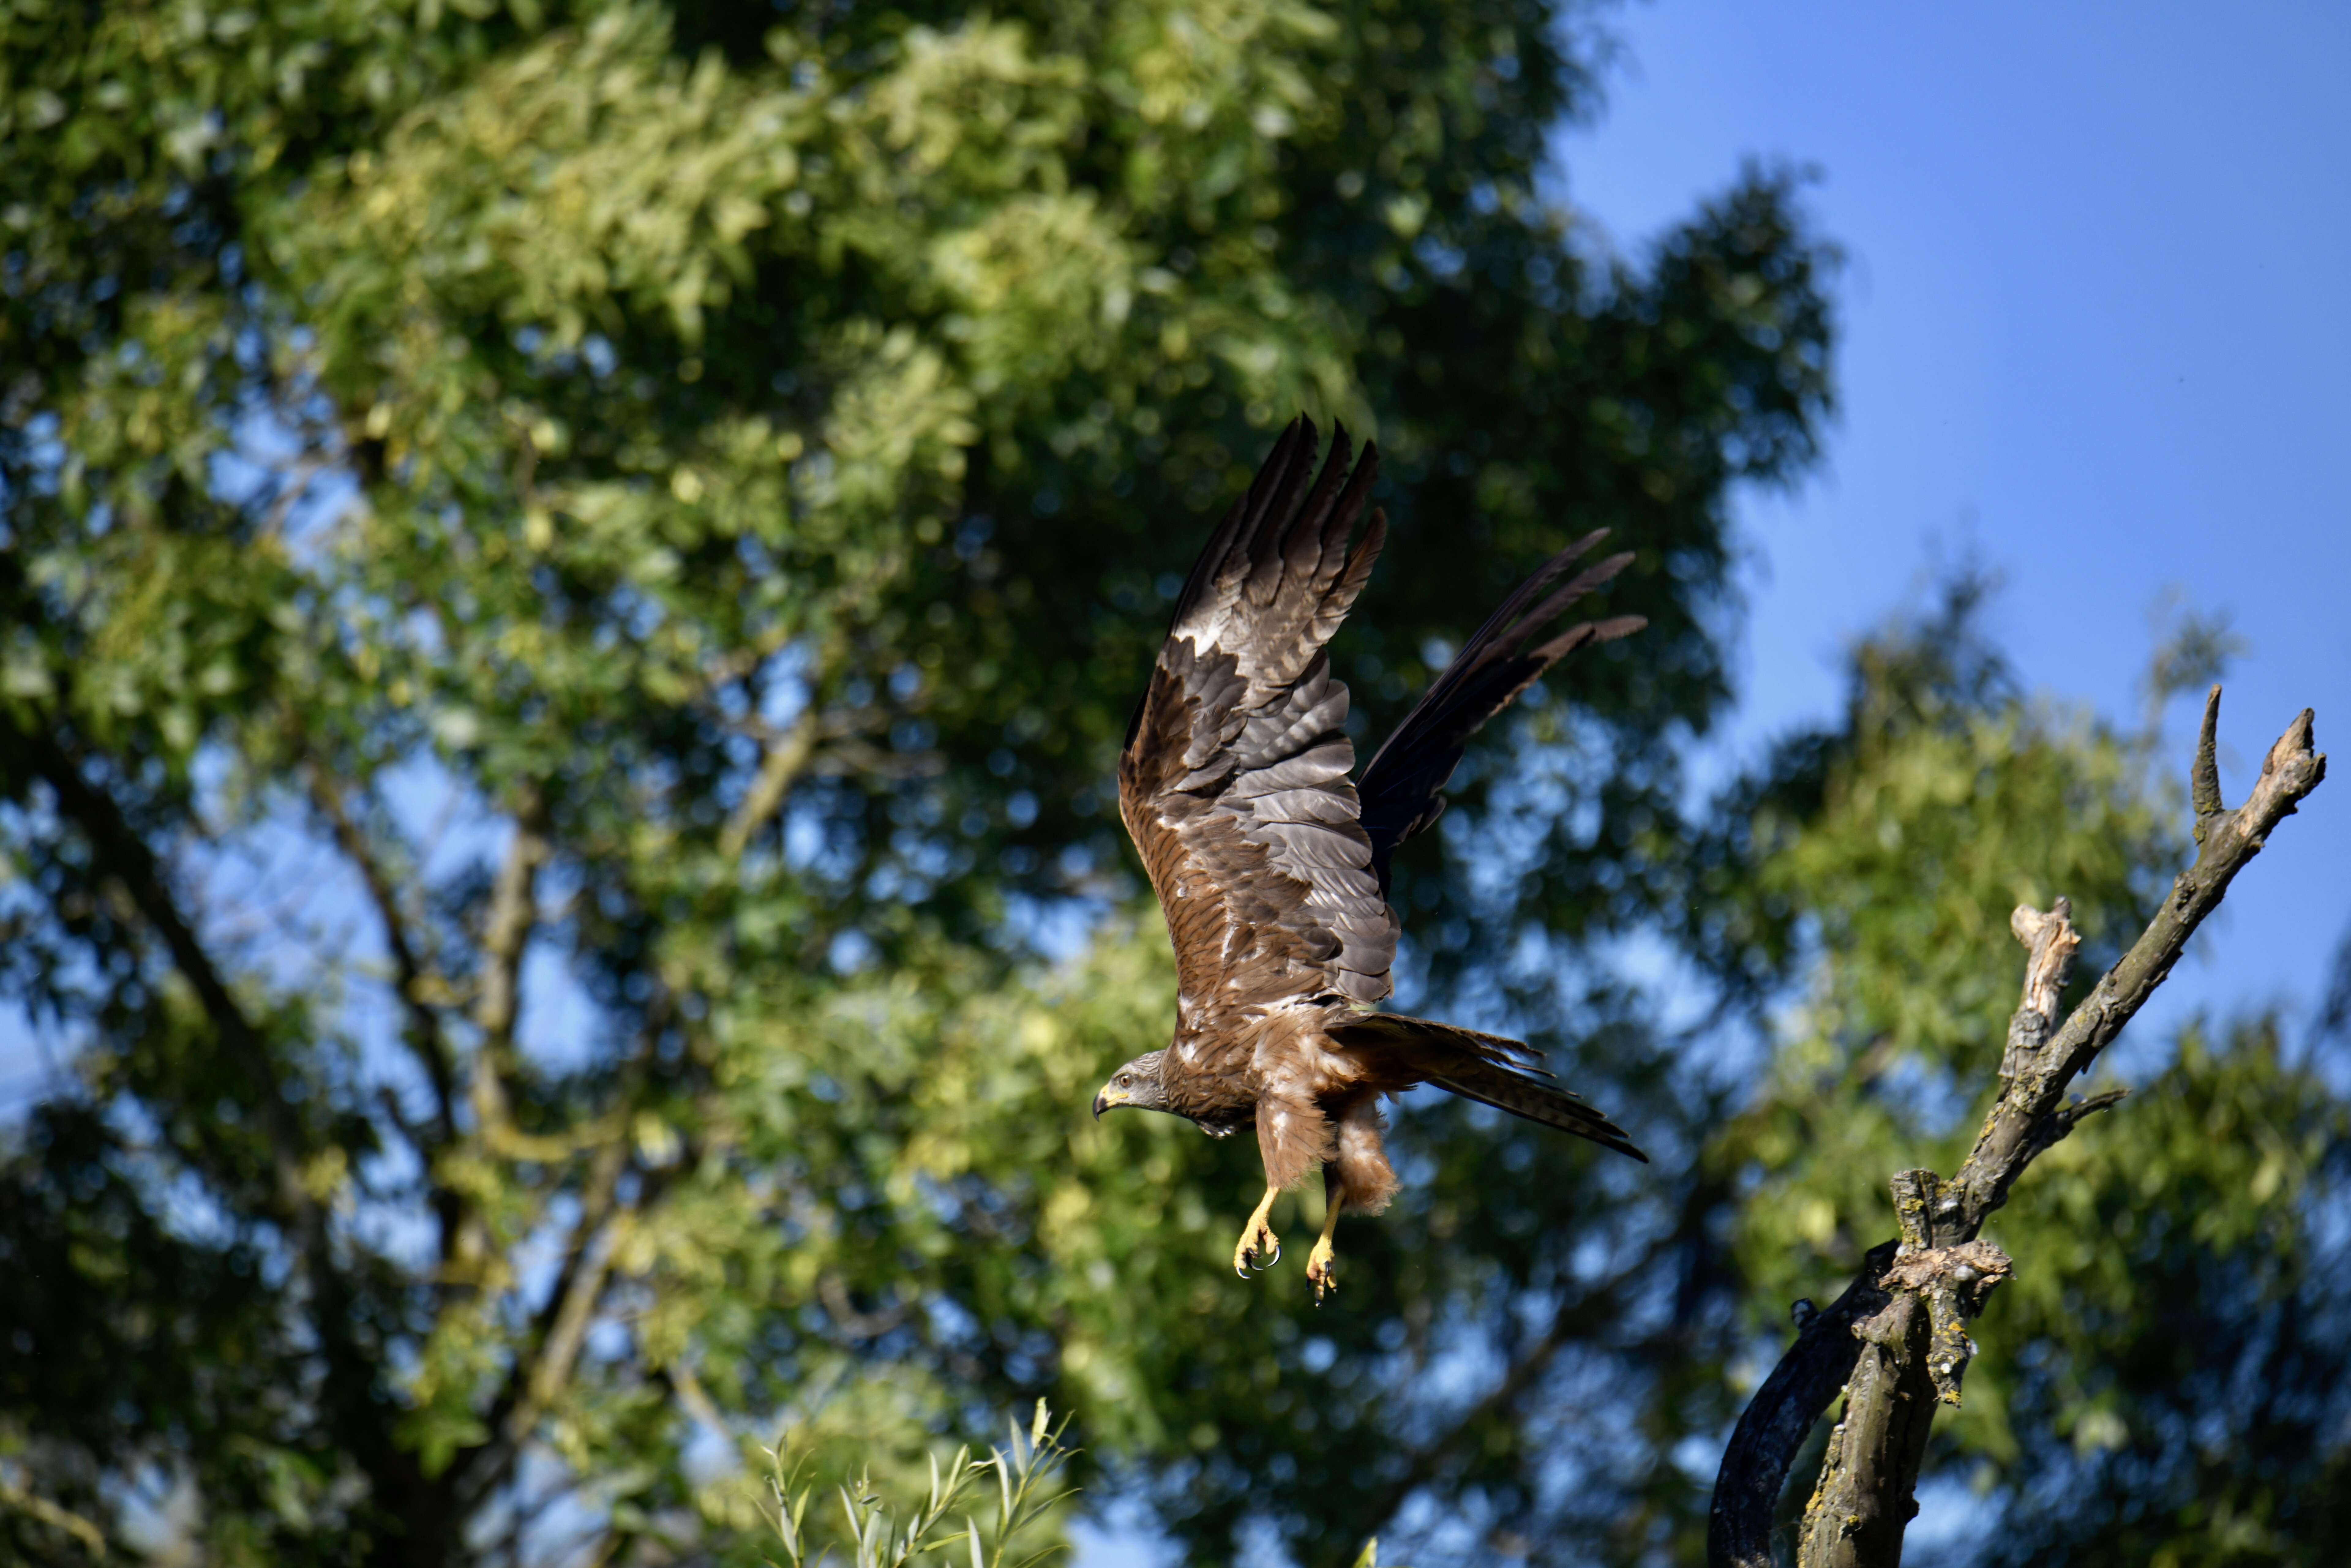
point(1273, 868)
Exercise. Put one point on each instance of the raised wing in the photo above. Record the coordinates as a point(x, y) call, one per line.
point(1400, 793)
point(1233, 782)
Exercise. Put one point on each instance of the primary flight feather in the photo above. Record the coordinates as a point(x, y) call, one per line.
point(1272, 866)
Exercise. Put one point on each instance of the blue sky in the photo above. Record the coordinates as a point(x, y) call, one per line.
point(2095, 319)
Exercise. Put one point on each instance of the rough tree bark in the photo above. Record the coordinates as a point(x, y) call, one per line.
point(1895, 1342)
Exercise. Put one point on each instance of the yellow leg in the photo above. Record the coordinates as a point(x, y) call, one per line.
point(1258, 1239)
point(1318, 1263)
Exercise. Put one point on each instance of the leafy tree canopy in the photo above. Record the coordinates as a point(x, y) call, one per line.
point(573, 575)
point(572, 578)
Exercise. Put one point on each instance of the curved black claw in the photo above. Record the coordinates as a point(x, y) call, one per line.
point(1248, 1259)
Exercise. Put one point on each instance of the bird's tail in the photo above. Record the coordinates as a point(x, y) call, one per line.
point(1486, 1068)
point(1506, 1091)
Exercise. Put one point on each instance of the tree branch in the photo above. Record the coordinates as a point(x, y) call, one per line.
point(543, 1369)
point(787, 759)
point(833, 1296)
point(1901, 1347)
point(539, 1374)
point(425, 1036)
point(1780, 1416)
point(119, 853)
point(34, 1506)
point(506, 933)
point(2227, 841)
point(514, 911)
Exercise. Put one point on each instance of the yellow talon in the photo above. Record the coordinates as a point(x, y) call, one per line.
point(1318, 1263)
point(1258, 1239)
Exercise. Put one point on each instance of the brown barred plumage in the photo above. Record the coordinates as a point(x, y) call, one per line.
point(1272, 867)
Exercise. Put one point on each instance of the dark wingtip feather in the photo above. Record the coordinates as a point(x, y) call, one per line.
point(1400, 788)
point(1583, 632)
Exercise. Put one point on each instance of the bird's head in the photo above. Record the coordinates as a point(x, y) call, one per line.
point(1137, 1085)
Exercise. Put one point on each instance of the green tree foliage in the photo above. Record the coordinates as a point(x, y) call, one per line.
point(572, 578)
point(2183, 1396)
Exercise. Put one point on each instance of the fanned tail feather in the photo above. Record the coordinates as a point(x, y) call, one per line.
point(1506, 1090)
point(1488, 1068)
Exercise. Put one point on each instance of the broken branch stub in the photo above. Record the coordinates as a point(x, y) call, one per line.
point(2052, 941)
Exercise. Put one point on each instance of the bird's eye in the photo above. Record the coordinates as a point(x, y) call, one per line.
point(1125, 1080)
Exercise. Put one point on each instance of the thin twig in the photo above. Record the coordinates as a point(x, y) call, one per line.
point(54, 1515)
point(514, 911)
point(410, 981)
point(787, 759)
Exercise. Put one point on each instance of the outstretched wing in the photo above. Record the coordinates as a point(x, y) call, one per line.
point(1400, 793)
point(1233, 782)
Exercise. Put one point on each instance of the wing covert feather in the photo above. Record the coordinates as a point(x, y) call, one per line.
point(1271, 866)
point(1233, 783)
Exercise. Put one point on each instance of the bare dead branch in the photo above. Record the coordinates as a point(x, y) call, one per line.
point(2052, 941)
point(1853, 1516)
point(2228, 841)
point(1902, 1346)
point(2204, 777)
point(1776, 1422)
point(1956, 1281)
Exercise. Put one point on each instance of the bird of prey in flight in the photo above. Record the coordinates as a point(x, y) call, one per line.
point(1272, 867)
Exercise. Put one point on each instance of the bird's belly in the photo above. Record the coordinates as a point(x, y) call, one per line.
point(1294, 1059)
point(1217, 1078)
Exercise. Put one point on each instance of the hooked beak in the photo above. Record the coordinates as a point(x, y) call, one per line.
point(1106, 1099)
